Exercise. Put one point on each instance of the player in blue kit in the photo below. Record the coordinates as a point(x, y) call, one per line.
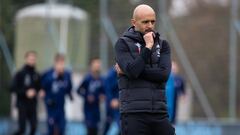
point(56, 83)
point(175, 88)
point(92, 90)
point(112, 102)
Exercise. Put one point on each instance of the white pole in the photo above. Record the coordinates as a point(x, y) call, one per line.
point(233, 61)
point(63, 35)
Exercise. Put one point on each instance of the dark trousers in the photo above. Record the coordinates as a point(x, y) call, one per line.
point(145, 124)
point(26, 114)
point(92, 131)
point(56, 122)
point(107, 125)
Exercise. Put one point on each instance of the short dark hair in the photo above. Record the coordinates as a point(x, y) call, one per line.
point(94, 59)
point(29, 53)
point(59, 57)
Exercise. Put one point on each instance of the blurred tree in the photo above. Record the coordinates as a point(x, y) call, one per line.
point(8, 9)
point(5, 28)
point(205, 37)
point(92, 7)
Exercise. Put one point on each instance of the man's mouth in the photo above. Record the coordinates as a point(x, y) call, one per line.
point(148, 30)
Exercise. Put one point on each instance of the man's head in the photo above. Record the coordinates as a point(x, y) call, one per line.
point(30, 58)
point(95, 67)
point(59, 63)
point(143, 19)
point(175, 68)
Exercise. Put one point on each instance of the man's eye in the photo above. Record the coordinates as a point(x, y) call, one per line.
point(152, 22)
point(145, 22)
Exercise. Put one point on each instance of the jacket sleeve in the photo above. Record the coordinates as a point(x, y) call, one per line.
point(182, 85)
point(17, 86)
point(82, 88)
point(102, 88)
point(131, 67)
point(38, 83)
point(69, 88)
point(108, 86)
point(161, 73)
point(44, 81)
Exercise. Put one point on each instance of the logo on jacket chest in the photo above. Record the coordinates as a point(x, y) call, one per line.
point(57, 85)
point(94, 85)
point(27, 80)
point(158, 49)
point(138, 46)
point(30, 79)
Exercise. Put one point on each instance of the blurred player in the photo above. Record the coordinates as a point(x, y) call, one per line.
point(175, 88)
point(56, 83)
point(92, 90)
point(112, 102)
point(26, 84)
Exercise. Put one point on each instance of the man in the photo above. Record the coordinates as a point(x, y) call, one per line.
point(112, 102)
point(143, 64)
point(175, 88)
point(92, 90)
point(26, 84)
point(56, 83)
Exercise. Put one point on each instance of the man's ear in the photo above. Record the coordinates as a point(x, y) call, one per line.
point(133, 22)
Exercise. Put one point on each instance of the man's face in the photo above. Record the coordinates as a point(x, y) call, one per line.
point(60, 66)
point(144, 23)
point(96, 67)
point(175, 69)
point(31, 59)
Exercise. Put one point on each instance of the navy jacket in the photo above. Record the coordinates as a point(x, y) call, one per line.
point(56, 88)
point(91, 87)
point(142, 86)
point(25, 79)
point(112, 92)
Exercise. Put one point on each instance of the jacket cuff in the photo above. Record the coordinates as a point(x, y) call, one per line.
point(145, 53)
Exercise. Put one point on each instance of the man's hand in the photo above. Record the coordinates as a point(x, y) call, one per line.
point(31, 93)
point(148, 38)
point(118, 69)
point(114, 103)
point(90, 98)
point(70, 96)
point(183, 98)
point(41, 93)
point(102, 97)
